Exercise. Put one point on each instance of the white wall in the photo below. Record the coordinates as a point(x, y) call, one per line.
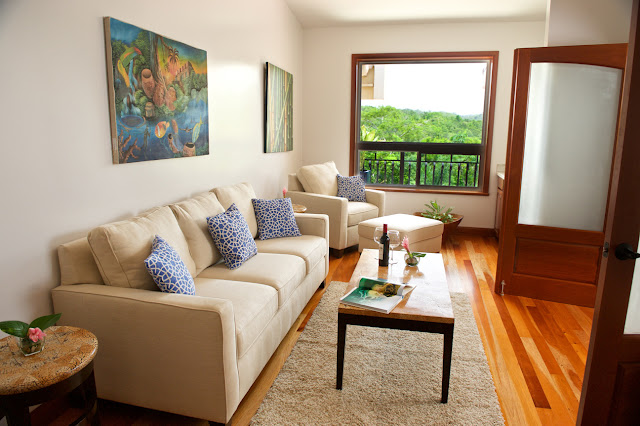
point(576, 22)
point(57, 179)
point(327, 93)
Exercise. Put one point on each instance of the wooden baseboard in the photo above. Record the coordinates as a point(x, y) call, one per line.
point(482, 232)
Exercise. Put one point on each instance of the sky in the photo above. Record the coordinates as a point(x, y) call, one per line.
point(458, 88)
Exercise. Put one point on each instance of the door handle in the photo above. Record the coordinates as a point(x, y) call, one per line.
point(625, 252)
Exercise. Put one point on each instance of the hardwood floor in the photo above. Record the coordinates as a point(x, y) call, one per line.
point(536, 350)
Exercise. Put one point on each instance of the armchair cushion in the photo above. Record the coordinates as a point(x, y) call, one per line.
point(319, 178)
point(275, 218)
point(351, 188)
point(167, 269)
point(358, 212)
point(231, 235)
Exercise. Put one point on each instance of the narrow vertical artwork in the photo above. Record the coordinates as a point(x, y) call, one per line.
point(158, 96)
point(278, 110)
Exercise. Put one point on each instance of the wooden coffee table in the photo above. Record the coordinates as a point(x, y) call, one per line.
point(427, 308)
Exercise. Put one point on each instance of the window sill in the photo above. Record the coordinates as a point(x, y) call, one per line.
point(424, 190)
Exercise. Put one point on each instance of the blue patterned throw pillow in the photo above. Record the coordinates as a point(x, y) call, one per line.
point(275, 218)
point(351, 188)
point(230, 233)
point(167, 269)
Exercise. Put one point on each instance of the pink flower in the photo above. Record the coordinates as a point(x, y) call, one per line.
point(36, 334)
point(284, 192)
point(405, 244)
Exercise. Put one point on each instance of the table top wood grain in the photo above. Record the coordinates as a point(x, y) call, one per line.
point(429, 301)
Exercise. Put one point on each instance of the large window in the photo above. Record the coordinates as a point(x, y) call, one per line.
point(423, 121)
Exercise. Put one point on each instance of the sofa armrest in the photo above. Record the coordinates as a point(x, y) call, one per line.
point(334, 207)
point(376, 198)
point(313, 224)
point(158, 349)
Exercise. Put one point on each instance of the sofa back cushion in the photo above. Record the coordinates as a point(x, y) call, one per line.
point(240, 195)
point(120, 248)
point(192, 217)
point(77, 265)
point(319, 178)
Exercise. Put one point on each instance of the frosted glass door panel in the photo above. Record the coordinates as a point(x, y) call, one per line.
point(570, 132)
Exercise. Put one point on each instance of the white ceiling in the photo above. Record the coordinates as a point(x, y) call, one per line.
point(329, 13)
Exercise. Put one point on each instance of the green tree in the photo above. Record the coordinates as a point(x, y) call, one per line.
point(406, 125)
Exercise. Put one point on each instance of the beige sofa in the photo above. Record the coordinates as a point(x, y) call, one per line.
point(316, 187)
point(191, 355)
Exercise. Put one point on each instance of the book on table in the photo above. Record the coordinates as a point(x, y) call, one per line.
point(376, 294)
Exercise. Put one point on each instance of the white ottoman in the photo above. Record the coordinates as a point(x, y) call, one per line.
point(424, 234)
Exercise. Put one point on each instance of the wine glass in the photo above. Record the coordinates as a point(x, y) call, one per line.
point(377, 234)
point(394, 241)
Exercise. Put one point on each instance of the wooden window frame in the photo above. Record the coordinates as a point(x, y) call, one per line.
point(483, 149)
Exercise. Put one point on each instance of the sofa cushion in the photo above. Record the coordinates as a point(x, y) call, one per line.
point(240, 195)
point(357, 212)
point(254, 305)
point(192, 217)
point(319, 178)
point(167, 269)
point(120, 248)
point(281, 271)
point(275, 218)
point(311, 248)
point(232, 237)
point(351, 188)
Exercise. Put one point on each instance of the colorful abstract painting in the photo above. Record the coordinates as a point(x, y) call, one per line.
point(157, 95)
point(279, 110)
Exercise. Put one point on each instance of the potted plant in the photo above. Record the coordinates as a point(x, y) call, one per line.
point(436, 211)
point(30, 337)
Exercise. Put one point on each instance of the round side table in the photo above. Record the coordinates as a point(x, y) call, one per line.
point(65, 366)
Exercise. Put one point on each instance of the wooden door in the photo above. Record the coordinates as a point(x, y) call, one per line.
point(558, 170)
point(611, 386)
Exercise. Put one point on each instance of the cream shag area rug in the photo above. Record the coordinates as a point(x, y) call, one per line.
point(391, 377)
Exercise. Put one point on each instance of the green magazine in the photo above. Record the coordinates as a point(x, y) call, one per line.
point(376, 294)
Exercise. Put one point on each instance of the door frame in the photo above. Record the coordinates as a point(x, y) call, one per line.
point(609, 347)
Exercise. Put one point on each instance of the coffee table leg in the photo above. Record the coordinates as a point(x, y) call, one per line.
point(446, 364)
point(342, 335)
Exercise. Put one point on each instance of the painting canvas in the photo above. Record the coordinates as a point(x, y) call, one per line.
point(157, 95)
point(279, 110)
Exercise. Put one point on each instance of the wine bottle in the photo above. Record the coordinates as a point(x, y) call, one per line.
point(383, 255)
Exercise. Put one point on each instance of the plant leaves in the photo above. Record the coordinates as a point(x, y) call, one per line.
point(15, 328)
point(45, 322)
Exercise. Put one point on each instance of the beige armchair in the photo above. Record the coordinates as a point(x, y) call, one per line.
point(316, 186)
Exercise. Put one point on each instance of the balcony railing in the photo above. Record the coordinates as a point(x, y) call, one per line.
point(420, 170)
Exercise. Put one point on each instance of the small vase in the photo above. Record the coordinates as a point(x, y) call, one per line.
point(29, 347)
point(411, 260)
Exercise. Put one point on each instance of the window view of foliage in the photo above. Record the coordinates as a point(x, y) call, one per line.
point(410, 125)
point(389, 124)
